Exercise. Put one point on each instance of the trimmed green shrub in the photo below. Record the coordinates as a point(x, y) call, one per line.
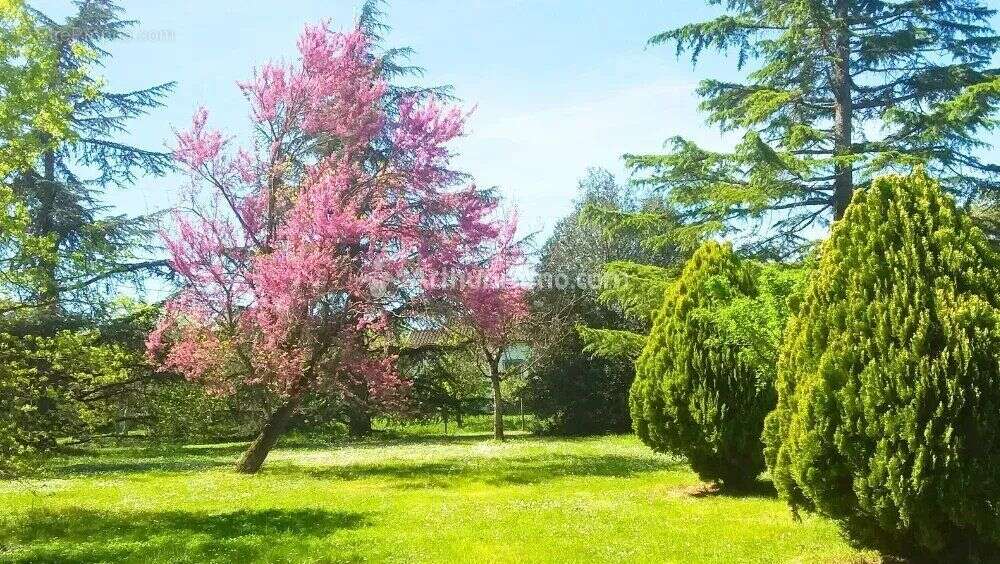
point(705, 378)
point(888, 417)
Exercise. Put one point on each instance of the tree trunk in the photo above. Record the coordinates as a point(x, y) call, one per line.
point(253, 458)
point(44, 225)
point(359, 417)
point(359, 421)
point(458, 414)
point(497, 402)
point(843, 111)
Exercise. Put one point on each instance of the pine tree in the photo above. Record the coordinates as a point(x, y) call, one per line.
point(704, 381)
point(93, 249)
point(838, 92)
point(888, 383)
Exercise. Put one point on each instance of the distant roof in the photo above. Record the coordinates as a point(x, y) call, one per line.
point(419, 338)
point(427, 337)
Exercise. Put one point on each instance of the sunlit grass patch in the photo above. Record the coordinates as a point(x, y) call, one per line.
point(454, 499)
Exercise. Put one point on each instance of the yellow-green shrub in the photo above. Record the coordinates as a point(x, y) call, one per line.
point(704, 381)
point(888, 418)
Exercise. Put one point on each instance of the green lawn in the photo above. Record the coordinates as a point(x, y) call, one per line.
point(409, 499)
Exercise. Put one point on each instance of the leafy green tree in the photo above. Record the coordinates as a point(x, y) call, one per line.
point(888, 383)
point(35, 112)
point(93, 250)
point(34, 116)
point(35, 414)
point(705, 379)
point(570, 392)
point(446, 382)
point(71, 350)
point(34, 94)
point(838, 92)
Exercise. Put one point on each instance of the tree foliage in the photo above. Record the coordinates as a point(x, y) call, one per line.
point(888, 384)
point(70, 347)
point(446, 381)
point(92, 249)
point(705, 379)
point(35, 112)
point(34, 117)
point(37, 412)
point(574, 389)
point(301, 264)
point(632, 278)
point(34, 94)
point(838, 91)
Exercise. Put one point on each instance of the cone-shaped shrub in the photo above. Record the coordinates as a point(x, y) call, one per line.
point(702, 390)
point(888, 418)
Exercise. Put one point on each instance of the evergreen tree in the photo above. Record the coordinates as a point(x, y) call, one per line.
point(645, 232)
point(705, 379)
point(888, 382)
point(92, 249)
point(839, 91)
point(34, 114)
point(570, 392)
point(71, 350)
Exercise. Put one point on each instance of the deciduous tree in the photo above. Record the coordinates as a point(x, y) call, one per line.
point(93, 250)
point(34, 95)
point(299, 264)
point(488, 310)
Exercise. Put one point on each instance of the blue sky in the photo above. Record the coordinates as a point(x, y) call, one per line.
point(559, 85)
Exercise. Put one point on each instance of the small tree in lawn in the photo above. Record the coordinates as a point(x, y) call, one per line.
point(705, 379)
point(490, 310)
point(298, 260)
point(444, 378)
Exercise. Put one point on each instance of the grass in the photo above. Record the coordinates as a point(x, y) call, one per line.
point(472, 425)
point(410, 498)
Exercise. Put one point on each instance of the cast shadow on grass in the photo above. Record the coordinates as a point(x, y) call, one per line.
point(167, 459)
point(500, 471)
point(177, 458)
point(84, 535)
point(761, 488)
point(94, 467)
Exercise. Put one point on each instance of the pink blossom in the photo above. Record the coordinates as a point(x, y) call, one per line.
point(298, 267)
point(198, 146)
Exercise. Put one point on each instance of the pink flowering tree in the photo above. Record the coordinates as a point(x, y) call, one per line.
point(303, 252)
point(488, 310)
